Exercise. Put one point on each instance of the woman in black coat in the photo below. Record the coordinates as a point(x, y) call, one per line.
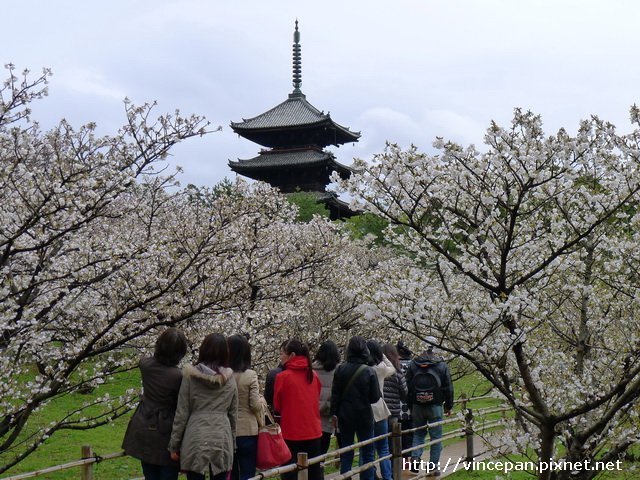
point(395, 387)
point(149, 430)
point(355, 388)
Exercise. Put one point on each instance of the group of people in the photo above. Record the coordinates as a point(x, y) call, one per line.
point(205, 418)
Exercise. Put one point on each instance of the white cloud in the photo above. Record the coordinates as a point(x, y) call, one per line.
point(454, 126)
point(89, 82)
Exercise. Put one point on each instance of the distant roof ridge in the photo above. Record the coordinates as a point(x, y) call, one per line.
point(297, 104)
point(288, 158)
point(297, 148)
point(306, 155)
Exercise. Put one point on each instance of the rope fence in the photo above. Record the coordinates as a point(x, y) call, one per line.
point(89, 459)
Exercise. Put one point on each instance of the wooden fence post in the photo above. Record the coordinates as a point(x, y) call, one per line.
point(303, 465)
point(396, 450)
point(86, 471)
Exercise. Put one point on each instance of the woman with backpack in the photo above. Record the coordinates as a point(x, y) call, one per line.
point(430, 396)
point(355, 388)
point(296, 396)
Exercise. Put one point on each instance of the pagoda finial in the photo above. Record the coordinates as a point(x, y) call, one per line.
point(297, 61)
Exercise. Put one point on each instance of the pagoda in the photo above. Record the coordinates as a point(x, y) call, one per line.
point(295, 134)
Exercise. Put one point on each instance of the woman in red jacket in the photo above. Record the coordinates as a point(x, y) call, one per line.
point(296, 396)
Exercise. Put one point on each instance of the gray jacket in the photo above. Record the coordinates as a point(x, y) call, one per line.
point(326, 380)
point(205, 423)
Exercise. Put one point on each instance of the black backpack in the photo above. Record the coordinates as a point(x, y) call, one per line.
point(426, 386)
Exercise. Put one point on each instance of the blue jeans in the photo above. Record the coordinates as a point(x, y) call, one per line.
point(382, 448)
point(244, 458)
point(421, 415)
point(364, 430)
point(159, 472)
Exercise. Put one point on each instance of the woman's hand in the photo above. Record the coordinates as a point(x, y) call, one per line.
point(175, 456)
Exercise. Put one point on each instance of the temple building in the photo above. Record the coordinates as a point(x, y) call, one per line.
point(295, 134)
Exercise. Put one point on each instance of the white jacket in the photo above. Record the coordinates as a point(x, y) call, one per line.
point(383, 370)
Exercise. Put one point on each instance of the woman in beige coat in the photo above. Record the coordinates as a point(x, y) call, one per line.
point(250, 405)
point(203, 434)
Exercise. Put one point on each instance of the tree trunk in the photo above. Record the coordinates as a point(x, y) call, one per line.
point(582, 347)
point(545, 454)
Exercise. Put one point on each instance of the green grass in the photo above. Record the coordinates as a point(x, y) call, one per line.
point(65, 445)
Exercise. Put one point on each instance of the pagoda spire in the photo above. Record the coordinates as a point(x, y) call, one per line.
point(297, 62)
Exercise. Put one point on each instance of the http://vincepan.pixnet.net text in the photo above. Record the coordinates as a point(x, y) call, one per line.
point(452, 465)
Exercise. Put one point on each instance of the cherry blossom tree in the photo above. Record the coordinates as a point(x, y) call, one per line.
point(523, 259)
point(97, 254)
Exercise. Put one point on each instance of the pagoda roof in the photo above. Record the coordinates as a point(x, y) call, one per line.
point(337, 207)
point(304, 157)
point(295, 113)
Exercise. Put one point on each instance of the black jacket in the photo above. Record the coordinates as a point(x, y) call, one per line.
point(354, 404)
point(270, 383)
point(405, 410)
point(441, 368)
point(395, 392)
point(149, 430)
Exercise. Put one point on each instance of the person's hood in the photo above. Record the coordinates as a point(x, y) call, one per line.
point(360, 357)
point(403, 351)
point(428, 357)
point(297, 363)
point(208, 375)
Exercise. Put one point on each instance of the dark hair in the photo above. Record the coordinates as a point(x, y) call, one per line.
point(214, 351)
point(302, 350)
point(171, 347)
point(392, 354)
point(239, 353)
point(403, 350)
point(375, 352)
point(281, 349)
point(357, 346)
point(328, 355)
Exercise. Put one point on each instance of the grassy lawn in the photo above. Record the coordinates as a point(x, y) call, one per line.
point(64, 446)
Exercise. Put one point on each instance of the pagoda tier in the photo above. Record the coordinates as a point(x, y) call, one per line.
point(292, 123)
point(337, 208)
point(292, 170)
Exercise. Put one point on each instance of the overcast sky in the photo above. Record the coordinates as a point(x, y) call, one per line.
point(403, 71)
